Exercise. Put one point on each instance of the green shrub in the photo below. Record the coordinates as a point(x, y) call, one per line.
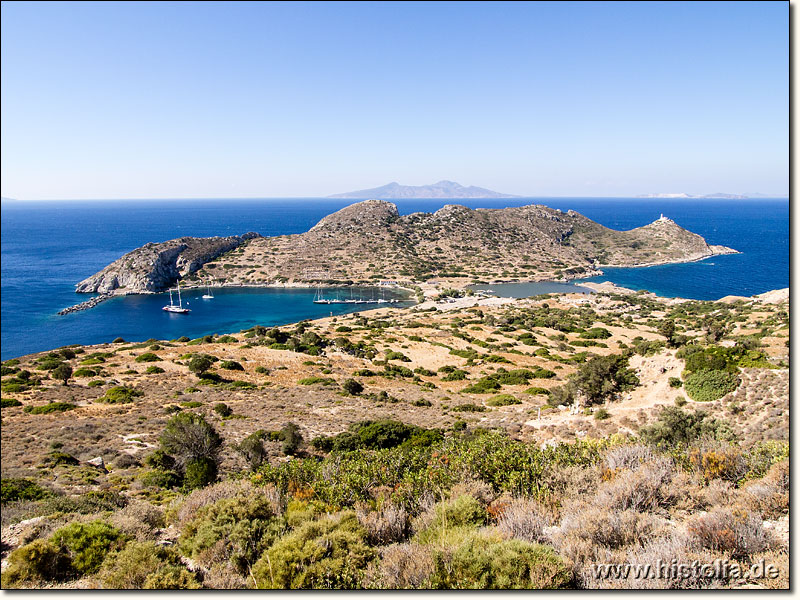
point(675, 382)
point(130, 568)
point(262, 370)
point(95, 383)
point(147, 357)
point(502, 400)
point(252, 449)
point(49, 408)
point(469, 408)
point(189, 438)
point(245, 526)
point(223, 410)
point(676, 427)
point(538, 390)
point(87, 544)
point(316, 380)
point(37, 562)
point(120, 394)
point(330, 553)
point(352, 387)
point(154, 370)
point(708, 385)
point(191, 404)
point(199, 472)
point(540, 373)
point(231, 365)
point(9, 402)
point(596, 333)
point(601, 414)
point(485, 562)
point(18, 488)
point(422, 402)
point(172, 577)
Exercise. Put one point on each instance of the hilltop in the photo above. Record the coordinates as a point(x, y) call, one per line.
point(370, 241)
point(441, 189)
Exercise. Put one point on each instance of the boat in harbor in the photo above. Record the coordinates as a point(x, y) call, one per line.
point(208, 295)
point(176, 308)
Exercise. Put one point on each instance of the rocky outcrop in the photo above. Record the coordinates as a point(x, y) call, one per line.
point(156, 266)
point(370, 241)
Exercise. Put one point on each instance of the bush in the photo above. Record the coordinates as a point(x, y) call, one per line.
point(37, 562)
point(223, 410)
point(130, 568)
point(675, 382)
point(676, 427)
point(188, 437)
point(330, 553)
point(316, 380)
point(469, 408)
point(406, 566)
point(120, 394)
point(87, 544)
point(200, 364)
point(730, 530)
point(49, 408)
point(708, 385)
point(62, 372)
point(252, 449)
point(199, 472)
point(9, 402)
point(596, 333)
point(238, 529)
point(523, 519)
point(502, 400)
point(231, 365)
point(154, 370)
point(85, 372)
point(387, 524)
point(291, 439)
point(352, 387)
point(484, 562)
point(147, 357)
point(172, 578)
point(601, 414)
point(13, 488)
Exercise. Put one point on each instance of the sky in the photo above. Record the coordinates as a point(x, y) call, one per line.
point(181, 100)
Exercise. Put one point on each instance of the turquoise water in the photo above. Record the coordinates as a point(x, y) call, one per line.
point(47, 247)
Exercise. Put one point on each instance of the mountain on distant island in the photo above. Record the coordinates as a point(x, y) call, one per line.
point(442, 189)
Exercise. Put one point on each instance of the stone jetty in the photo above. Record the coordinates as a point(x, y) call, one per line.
point(91, 303)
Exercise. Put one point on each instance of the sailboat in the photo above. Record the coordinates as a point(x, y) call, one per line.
point(208, 295)
point(172, 307)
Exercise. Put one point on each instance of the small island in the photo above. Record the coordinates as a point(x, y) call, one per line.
point(369, 242)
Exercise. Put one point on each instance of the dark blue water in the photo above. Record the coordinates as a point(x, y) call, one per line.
point(47, 247)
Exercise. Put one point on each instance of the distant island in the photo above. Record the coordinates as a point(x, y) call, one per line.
point(441, 189)
point(370, 241)
point(718, 195)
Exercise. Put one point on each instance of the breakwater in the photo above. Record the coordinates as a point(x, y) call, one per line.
point(85, 305)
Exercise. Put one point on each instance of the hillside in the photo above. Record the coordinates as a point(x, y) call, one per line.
point(371, 241)
point(420, 443)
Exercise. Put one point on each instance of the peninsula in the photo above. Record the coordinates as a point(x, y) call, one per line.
point(370, 241)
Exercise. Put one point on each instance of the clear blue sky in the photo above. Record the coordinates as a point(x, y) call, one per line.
point(162, 100)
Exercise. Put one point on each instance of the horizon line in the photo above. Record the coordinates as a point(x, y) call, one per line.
point(139, 199)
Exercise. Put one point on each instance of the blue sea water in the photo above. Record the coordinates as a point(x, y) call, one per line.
point(47, 247)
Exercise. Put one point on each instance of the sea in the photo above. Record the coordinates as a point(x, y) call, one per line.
point(48, 246)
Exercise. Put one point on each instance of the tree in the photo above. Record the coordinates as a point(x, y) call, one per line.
point(252, 449)
point(603, 377)
point(667, 329)
point(63, 372)
point(352, 387)
point(291, 437)
point(189, 438)
point(199, 365)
